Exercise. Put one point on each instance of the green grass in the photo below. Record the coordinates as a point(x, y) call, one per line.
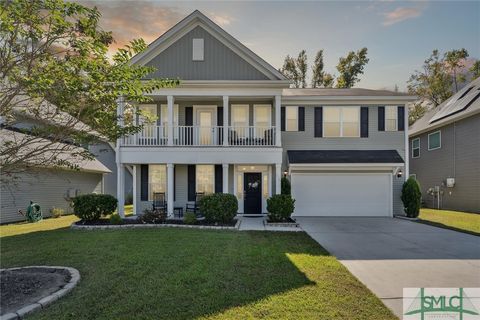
point(462, 221)
point(172, 273)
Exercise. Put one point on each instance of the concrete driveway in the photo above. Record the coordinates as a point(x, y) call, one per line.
point(388, 254)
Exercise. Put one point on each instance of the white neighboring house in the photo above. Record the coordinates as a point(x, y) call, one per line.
point(234, 126)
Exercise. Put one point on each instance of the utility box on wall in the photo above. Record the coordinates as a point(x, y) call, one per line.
point(450, 182)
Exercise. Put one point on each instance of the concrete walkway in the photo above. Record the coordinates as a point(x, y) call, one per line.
point(258, 224)
point(388, 254)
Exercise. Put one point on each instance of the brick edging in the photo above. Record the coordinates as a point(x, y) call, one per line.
point(42, 303)
point(127, 226)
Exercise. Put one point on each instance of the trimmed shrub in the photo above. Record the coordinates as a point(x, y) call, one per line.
point(189, 218)
point(219, 207)
point(57, 212)
point(90, 207)
point(280, 207)
point(411, 198)
point(153, 216)
point(116, 219)
point(286, 188)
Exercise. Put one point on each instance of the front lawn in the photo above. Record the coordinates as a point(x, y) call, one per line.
point(462, 221)
point(183, 274)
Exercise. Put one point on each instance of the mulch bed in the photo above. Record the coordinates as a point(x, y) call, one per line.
point(28, 285)
point(106, 222)
point(289, 220)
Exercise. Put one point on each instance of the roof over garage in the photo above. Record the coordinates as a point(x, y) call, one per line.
point(343, 156)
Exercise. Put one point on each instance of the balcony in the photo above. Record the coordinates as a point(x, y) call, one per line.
point(183, 136)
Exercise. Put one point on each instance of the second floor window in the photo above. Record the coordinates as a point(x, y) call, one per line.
point(416, 148)
point(291, 118)
point(434, 140)
point(391, 118)
point(341, 122)
point(164, 115)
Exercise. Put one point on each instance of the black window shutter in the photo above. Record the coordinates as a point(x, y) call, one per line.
point(191, 182)
point(282, 118)
point(401, 118)
point(218, 178)
point(364, 122)
point(318, 120)
point(144, 182)
point(301, 118)
point(219, 116)
point(381, 118)
point(189, 116)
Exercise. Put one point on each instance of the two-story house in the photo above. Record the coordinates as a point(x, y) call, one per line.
point(233, 125)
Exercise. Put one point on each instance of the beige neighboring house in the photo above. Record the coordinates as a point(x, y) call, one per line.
point(49, 187)
point(445, 152)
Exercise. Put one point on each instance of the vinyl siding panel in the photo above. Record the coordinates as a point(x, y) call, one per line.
point(220, 62)
point(459, 158)
point(376, 140)
point(48, 188)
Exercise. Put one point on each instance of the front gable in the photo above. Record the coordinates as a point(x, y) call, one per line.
point(224, 57)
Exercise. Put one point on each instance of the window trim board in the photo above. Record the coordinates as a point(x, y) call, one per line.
point(439, 140)
point(412, 148)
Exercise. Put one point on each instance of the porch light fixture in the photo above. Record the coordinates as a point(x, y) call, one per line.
point(399, 173)
point(285, 173)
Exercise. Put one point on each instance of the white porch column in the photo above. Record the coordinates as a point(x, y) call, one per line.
point(170, 120)
point(134, 188)
point(278, 177)
point(225, 120)
point(407, 144)
point(121, 189)
point(170, 190)
point(278, 127)
point(225, 177)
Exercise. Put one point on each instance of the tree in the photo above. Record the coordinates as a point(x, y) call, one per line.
point(454, 60)
point(411, 197)
point(302, 67)
point(475, 70)
point(415, 112)
point(328, 80)
point(351, 67)
point(317, 70)
point(433, 83)
point(54, 67)
point(290, 71)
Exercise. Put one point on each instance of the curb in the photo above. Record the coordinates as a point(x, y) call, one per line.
point(146, 226)
point(42, 303)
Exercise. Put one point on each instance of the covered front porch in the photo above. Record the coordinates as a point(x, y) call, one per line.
point(181, 184)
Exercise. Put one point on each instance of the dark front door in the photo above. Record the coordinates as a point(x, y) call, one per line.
point(253, 193)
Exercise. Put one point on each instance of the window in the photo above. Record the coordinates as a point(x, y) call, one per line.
point(205, 178)
point(391, 118)
point(157, 179)
point(198, 50)
point(434, 141)
point(262, 115)
point(291, 118)
point(164, 115)
point(341, 122)
point(416, 148)
point(240, 115)
point(148, 113)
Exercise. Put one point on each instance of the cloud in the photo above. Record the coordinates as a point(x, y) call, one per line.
point(130, 20)
point(401, 14)
point(221, 20)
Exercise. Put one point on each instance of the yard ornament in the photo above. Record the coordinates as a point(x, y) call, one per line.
point(34, 212)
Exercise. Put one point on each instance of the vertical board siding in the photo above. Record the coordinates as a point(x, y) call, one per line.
point(48, 188)
point(220, 62)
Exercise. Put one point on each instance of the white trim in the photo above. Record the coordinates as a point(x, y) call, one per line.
point(341, 121)
point(440, 140)
point(413, 153)
point(198, 49)
point(200, 107)
point(356, 100)
point(405, 128)
point(264, 105)
point(347, 164)
point(264, 169)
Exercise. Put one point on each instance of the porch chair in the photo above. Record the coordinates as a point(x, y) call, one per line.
point(159, 202)
point(195, 206)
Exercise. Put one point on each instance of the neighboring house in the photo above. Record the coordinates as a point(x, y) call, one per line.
point(234, 126)
point(445, 152)
point(49, 187)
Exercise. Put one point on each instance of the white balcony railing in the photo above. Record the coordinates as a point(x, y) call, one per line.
point(152, 135)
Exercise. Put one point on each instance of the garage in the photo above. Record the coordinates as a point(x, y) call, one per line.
point(342, 194)
point(348, 183)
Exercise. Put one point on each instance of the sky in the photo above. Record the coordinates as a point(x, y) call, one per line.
point(399, 35)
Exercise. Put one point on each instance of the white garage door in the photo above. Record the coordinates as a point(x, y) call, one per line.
point(341, 194)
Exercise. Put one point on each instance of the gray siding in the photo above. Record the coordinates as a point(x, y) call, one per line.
point(220, 62)
point(459, 158)
point(48, 188)
point(377, 140)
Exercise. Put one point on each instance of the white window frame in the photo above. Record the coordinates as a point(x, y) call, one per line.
point(439, 140)
point(150, 182)
point(164, 109)
point(260, 132)
point(244, 106)
point(295, 129)
point(396, 118)
point(413, 154)
point(341, 122)
point(198, 49)
point(212, 177)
